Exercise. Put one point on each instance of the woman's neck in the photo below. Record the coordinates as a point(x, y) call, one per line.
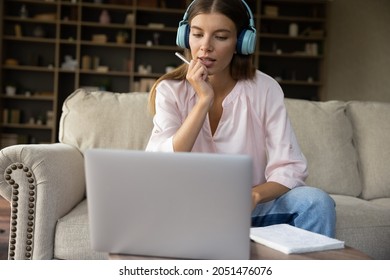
point(222, 85)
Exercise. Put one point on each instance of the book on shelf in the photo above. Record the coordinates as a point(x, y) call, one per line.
point(15, 116)
point(11, 116)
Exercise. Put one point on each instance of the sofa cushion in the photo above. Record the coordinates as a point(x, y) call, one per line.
point(105, 120)
point(72, 238)
point(365, 224)
point(371, 127)
point(325, 136)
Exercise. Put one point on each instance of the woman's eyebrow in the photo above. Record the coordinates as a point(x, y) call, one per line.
point(215, 31)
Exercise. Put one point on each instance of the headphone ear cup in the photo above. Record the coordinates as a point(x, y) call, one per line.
point(183, 34)
point(246, 42)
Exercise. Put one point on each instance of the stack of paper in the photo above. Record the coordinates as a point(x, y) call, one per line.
point(289, 239)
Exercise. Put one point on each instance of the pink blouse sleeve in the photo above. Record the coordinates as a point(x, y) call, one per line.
point(166, 121)
point(286, 164)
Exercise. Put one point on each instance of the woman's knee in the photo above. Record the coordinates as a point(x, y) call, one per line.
point(317, 203)
point(316, 197)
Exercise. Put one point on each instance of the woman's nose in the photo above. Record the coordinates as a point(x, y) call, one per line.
point(206, 45)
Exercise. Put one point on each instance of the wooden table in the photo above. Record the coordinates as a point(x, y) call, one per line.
point(261, 252)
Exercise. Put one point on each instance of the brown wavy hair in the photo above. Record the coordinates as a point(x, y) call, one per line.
point(241, 66)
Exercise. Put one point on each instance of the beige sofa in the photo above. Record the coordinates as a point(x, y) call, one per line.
point(347, 145)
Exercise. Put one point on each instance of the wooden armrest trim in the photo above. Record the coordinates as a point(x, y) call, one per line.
point(16, 207)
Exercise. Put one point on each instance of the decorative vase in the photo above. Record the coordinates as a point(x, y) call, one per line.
point(105, 17)
point(10, 90)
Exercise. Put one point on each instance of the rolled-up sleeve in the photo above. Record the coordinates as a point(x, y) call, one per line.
point(166, 121)
point(286, 164)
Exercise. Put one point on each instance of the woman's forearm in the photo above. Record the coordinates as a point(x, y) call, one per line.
point(267, 192)
point(185, 137)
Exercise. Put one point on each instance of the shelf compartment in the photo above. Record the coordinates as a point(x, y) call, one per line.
point(33, 10)
point(146, 60)
point(25, 134)
point(105, 82)
point(25, 114)
point(118, 61)
point(155, 37)
point(39, 82)
point(289, 70)
point(291, 48)
point(69, 32)
point(297, 8)
point(116, 14)
point(30, 29)
point(108, 34)
point(150, 18)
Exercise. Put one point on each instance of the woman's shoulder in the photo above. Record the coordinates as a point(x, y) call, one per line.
point(174, 89)
point(171, 84)
point(263, 84)
point(265, 80)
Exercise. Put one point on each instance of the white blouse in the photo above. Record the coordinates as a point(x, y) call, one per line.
point(254, 121)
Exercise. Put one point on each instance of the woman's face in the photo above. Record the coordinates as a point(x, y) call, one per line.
point(213, 39)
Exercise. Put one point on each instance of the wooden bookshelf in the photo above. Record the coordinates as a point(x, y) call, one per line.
point(56, 46)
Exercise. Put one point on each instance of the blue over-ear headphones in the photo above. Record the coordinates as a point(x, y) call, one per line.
point(246, 41)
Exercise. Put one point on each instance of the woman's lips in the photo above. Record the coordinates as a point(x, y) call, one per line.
point(206, 61)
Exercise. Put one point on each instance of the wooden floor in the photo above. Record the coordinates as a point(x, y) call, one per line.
point(4, 228)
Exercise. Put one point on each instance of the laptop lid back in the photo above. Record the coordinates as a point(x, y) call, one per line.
point(180, 205)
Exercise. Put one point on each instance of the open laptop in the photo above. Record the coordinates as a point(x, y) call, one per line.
point(176, 205)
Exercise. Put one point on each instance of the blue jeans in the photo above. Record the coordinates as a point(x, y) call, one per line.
point(304, 207)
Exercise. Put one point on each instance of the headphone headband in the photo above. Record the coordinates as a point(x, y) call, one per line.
point(251, 20)
point(246, 40)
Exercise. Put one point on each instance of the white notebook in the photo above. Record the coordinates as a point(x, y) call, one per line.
point(291, 240)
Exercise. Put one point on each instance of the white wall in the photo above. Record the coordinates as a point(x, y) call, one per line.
point(358, 64)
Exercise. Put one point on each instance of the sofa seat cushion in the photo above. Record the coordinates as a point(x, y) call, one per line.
point(362, 224)
point(72, 239)
point(325, 135)
point(383, 202)
point(371, 127)
point(105, 120)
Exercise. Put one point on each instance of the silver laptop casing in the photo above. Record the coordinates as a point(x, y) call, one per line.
point(177, 205)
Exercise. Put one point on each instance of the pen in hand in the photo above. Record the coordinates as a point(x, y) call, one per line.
point(179, 55)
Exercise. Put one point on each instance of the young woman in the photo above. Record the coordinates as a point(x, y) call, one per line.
point(220, 103)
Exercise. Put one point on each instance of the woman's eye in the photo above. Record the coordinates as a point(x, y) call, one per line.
point(197, 35)
point(222, 38)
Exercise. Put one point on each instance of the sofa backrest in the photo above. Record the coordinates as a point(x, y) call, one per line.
point(347, 144)
point(325, 135)
point(371, 128)
point(105, 120)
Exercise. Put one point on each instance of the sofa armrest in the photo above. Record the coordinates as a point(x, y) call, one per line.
point(42, 182)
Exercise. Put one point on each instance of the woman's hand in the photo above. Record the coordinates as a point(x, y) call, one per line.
point(197, 76)
point(255, 199)
point(185, 137)
point(267, 192)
